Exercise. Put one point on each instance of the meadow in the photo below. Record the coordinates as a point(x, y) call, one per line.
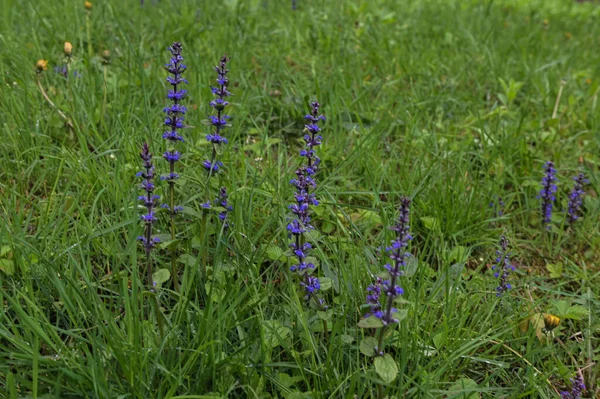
point(440, 118)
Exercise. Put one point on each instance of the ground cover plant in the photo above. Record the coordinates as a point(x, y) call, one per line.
point(300, 199)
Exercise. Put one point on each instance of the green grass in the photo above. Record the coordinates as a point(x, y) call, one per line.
point(451, 103)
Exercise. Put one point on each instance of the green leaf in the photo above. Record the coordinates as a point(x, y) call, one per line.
point(439, 340)
point(327, 227)
point(430, 223)
point(386, 368)
point(458, 254)
point(565, 310)
point(217, 292)
point(347, 339)
point(466, 386)
point(275, 333)
point(400, 314)
point(274, 252)
point(326, 315)
point(161, 276)
point(4, 251)
point(370, 322)
point(367, 346)
point(325, 283)
point(187, 260)
point(412, 263)
point(555, 270)
point(7, 266)
point(576, 312)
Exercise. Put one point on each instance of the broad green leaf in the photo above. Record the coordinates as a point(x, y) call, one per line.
point(275, 333)
point(347, 339)
point(326, 315)
point(565, 310)
point(325, 283)
point(467, 387)
point(386, 368)
point(458, 254)
point(217, 292)
point(274, 252)
point(400, 314)
point(370, 322)
point(187, 259)
point(7, 266)
point(367, 346)
point(439, 339)
point(161, 276)
point(430, 223)
point(4, 250)
point(555, 269)
point(412, 263)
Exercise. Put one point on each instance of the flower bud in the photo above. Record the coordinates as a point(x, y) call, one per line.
point(68, 49)
point(41, 65)
point(551, 322)
point(88, 5)
point(106, 56)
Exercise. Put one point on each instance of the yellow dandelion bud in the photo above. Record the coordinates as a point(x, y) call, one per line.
point(551, 322)
point(68, 49)
point(41, 65)
point(568, 35)
point(88, 5)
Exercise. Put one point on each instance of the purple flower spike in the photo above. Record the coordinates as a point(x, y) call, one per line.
point(577, 388)
point(174, 120)
point(223, 202)
point(390, 288)
point(548, 192)
point(219, 121)
point(503, 267)
point(150, 202)
point(576, 199)
point(305, 182)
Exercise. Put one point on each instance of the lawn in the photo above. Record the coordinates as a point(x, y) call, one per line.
point(451, 135)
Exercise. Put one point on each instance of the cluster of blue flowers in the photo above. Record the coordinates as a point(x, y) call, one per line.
point(576, 199)
point(150, 201)
point(397, 253)
point(219, 121)
point(174, 120)
point(305, 183)
point(503, 267)
point(548, 192)
point(577, 388)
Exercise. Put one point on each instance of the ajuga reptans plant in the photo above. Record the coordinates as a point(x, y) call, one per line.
point(576, 199)
point(382, 295)
point(548, 193)
point(215, 137)
point(150, 201)
point(503, 267)
point(305, 183)
point(577, 388)
point(389, 286)
point(174, 122)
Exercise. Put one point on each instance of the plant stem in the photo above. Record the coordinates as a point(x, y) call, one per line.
point(172, 207)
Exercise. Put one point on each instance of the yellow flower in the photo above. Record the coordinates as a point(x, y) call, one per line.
point(41, 65)
point(88, 5)
point(551, 322)
point(68, 49)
